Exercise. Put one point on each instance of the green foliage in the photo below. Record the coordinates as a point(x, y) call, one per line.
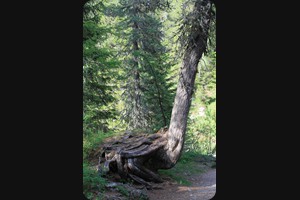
point(98, 68)
point(186, 166)
point(201, 133)
point(123, 190)
point(194, 20)
point(147, 95)
point(91, 181)
point(92, 140)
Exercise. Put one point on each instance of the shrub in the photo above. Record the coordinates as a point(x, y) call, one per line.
point(91, 181)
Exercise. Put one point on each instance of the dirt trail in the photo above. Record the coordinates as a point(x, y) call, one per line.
point(203, 188)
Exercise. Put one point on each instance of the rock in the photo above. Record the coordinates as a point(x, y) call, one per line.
point(136, 194)
point(112, 184)
point(112, 197)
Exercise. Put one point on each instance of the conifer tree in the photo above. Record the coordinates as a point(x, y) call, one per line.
point(147, 96)
point(97, 70)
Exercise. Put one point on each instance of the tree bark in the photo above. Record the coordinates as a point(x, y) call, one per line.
point(137, 120)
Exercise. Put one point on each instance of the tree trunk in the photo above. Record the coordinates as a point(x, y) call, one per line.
point(138, 117)
point(193, 53)
point(139, 156)
point(137, 87)
point(159, 96)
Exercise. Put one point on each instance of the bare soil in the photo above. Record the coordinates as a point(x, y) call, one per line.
point(203, 187)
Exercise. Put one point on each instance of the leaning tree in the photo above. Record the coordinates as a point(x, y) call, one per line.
point(139, 156)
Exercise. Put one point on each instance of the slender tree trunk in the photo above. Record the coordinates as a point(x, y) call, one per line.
point(138, 119)
point(161, 105)
point(160, 100)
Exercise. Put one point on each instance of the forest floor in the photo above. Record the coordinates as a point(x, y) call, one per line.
point(193, 180)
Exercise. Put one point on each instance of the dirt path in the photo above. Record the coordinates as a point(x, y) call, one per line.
point(203, 188)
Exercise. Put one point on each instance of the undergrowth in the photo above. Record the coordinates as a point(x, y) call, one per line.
point(92, 182)
point(123, 190)
point(186, 166)
point(91, 141)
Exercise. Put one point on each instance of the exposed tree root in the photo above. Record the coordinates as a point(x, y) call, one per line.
point(132, 156)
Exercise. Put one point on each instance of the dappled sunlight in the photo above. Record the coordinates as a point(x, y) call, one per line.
point(196, 188)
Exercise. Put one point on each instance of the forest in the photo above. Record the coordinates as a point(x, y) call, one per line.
point(149, 98)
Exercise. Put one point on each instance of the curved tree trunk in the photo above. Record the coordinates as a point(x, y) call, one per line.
point(139, 156)
point(193, 53)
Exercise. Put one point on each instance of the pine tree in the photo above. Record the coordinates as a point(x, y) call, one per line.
point(147, 96)
point(97, 70)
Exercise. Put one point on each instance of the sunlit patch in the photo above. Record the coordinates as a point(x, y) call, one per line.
point(199, 189)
